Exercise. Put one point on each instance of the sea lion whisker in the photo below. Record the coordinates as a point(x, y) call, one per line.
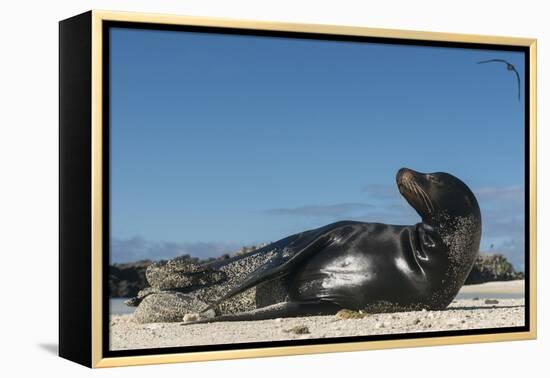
point(417, 192)
point(430, 202)
point(411, 186)
point(425, 198)
point(427, 201)
point(422, 197)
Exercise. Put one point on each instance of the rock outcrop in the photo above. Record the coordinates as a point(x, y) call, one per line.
point(126, 280)
point(489, 268)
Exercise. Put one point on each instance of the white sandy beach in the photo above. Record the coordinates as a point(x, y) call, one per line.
point(496, 288)
point(492, 308)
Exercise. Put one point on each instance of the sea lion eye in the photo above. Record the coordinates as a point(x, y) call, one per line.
point(434, 179)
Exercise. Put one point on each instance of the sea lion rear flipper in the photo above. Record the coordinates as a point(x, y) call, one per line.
point(181, 274)
point(278, 267)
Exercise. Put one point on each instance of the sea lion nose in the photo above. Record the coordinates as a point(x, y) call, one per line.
point(404, 175)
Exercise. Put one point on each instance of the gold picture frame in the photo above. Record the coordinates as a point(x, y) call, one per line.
point(82, 265)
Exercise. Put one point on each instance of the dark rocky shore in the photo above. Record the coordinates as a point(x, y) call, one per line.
point(492, 267)
point(126, 280)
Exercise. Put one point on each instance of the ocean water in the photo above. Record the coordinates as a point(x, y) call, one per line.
point(490, 295)
point(117, 307)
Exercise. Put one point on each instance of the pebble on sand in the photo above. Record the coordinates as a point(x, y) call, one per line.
point(190, 318)
point(350, 314)
point(298, 330)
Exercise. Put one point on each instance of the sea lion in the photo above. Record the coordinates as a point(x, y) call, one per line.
point(358, 265)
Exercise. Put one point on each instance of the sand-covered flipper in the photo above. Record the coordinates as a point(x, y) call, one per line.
point(181, 274)
point(166, 306)
point(177, 275)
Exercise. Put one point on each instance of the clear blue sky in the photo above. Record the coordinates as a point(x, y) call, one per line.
point(219, 141)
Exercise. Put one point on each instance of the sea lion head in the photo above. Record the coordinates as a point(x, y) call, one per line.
point(450, 232)
point(439, 198)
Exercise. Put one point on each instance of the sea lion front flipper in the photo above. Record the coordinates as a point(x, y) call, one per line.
point(274, 311)
point(278, 267)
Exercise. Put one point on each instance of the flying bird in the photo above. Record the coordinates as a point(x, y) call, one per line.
point(509, 67)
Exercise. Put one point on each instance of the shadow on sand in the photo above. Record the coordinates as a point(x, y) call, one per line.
point(486, 307)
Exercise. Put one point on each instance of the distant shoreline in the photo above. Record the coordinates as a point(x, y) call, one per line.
point(496, 287)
